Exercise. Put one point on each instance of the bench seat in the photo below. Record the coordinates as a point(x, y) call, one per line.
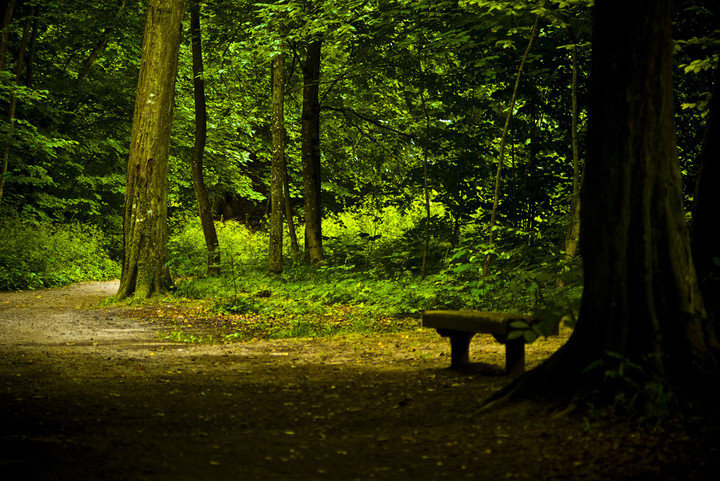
point(461, 326)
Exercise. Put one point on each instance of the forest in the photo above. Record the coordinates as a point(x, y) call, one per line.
point(316, 168)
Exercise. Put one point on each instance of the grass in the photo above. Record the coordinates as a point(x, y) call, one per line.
point(367, 284)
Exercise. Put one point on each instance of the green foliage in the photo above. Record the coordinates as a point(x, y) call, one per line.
point(38, 254)
point(630, 390)
point(369, 280)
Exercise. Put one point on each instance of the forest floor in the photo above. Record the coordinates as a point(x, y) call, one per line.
point(96, 394)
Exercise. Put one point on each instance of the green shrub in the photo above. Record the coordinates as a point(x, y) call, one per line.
point(239, 248)
point(39, 254)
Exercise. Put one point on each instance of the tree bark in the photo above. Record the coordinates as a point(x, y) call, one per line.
point(30, 62)
point(196, 163)
point(275, 259)
point(641, 298)
point(12, 107)
point(310, 138)
point(501, 159)
point(144, 269)
point(294, 248)
point(705, 247)
point(4, 39)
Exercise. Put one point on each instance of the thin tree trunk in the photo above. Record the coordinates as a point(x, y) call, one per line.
point(294, 248)
point(144, 269)
point(426, 189)
point(97, 50)
point(572, 233)
point(529, 181)
point(30, 62)
point(275, 258)
point(196, 164)
point(4, 39)
point(501, 159)
point(311, 153)
point(12, 107)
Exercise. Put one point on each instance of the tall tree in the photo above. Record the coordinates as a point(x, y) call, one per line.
point(275, 259)
point(641, 298)
point(310, 152)
point(144, 269)
point(5, 35)
point(196, 163)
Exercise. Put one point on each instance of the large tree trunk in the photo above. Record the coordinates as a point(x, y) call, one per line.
point(144, 270)
point(275, 259)
point(311, 153)
point(196, 164)
point(705, 246)
point(641, 299)
point(13, 106)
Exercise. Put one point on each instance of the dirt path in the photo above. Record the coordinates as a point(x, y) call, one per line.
point(93, 394)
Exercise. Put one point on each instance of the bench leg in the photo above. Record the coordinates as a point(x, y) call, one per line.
point(515, 356)
point(460, 349)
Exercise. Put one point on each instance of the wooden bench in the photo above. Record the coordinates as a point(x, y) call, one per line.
point(461, 326)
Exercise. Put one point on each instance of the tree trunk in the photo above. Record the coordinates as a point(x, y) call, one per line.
point(572, 233)
point(275, 260)
point(641, 298)
point(705, 247)
point(294, 248)
point(641, 293)
point(7, 20)
point(426, 186)
point(501, 159)
point(196, 164)
point(144, 270)
point(30, 62)
point(311, 153)
point(13, 106)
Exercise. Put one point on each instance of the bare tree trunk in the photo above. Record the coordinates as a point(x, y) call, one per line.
point(572, 233)
point(294, 248)
point(196, 164)
point(13, 106)
point(7, 20)
point(144, 269)
point(30, 62)
point(311, 153)
point(275, 258)
point(641, 298)
point(501, 159)
point(426, 188)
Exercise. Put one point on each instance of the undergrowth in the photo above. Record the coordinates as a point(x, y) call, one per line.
point(371, 275)
point(37, 254)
